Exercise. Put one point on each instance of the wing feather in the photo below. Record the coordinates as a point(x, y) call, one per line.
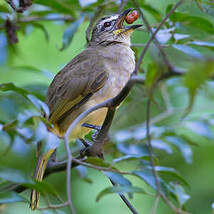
point(84, 75)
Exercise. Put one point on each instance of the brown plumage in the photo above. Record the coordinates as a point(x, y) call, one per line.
point(98, 73)
point(88, 77)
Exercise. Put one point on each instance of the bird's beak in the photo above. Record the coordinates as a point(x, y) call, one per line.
point(120, 28)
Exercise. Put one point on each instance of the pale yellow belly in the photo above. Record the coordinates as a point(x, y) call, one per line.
point(95, 118)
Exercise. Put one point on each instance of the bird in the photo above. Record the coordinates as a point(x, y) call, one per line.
point(96, 74)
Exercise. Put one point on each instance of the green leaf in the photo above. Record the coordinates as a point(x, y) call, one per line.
point(83, 173)
point(10, 197)
point(4, 9)
point(132, 149)
point(184, 148)
point(200, 128)
point(159, 144)
point(42, 28)
point(202, 43)
point(118, 178)
point(131, 157)
point(17, 177)
point(3, 48)
point(147, 176)
point(26, 94)
point(42, 187)
point(120, 190)
point(28, 68)
point(180, 193)
point(14, 176)
point(155, 13)
point(58, 6)
point(70, 31)
point(189, 51)
point(39, 104)
point(51, 141)
point(171, 172)
point(201, 72)
point(12, 87)
point(98, 162)
point(208, 9)
point(212, 206)
point(197, 22)
point(85, 3)
point(151, 75)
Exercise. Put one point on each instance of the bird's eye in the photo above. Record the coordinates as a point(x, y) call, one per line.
point(107, 24)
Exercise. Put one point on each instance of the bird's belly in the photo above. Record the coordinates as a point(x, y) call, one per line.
point(112, 87)
point(110, 90)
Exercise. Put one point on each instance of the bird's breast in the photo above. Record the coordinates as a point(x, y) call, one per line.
point(119, 65)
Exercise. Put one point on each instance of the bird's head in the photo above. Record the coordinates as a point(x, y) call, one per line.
point(111, 29)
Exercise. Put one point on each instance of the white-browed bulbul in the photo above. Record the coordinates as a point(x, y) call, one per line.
point(96, 74)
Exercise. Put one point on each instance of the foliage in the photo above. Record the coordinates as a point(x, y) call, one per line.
point(181, 112)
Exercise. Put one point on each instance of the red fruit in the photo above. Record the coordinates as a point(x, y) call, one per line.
point(132, 17)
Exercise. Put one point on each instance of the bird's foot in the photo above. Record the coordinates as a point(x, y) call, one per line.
point(90, 149)
point(90, 126)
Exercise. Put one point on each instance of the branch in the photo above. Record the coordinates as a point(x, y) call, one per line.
point(38, 18)
point(96, 149)
point(125, 200)
point(155, 206)
point(122, 5)
point(149, 145)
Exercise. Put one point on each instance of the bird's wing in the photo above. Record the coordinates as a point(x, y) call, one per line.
point(75, 84)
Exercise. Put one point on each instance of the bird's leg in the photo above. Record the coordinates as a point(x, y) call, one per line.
point(91, 126)
point(100, 137)
point(97, 129)
point(85, 142)
point(94, 150)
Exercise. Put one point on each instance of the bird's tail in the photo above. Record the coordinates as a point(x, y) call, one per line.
point(38, 175)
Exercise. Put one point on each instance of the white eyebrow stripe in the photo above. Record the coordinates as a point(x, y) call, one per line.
point(109, 19)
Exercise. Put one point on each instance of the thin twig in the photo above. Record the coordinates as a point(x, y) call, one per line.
point(107, 169)
point(68, 175)
point(155, 206)
point(38, 18)
point(125, 200)
point(122, 5)
point(149, 146)
point(165, 96)
point(55, 206)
